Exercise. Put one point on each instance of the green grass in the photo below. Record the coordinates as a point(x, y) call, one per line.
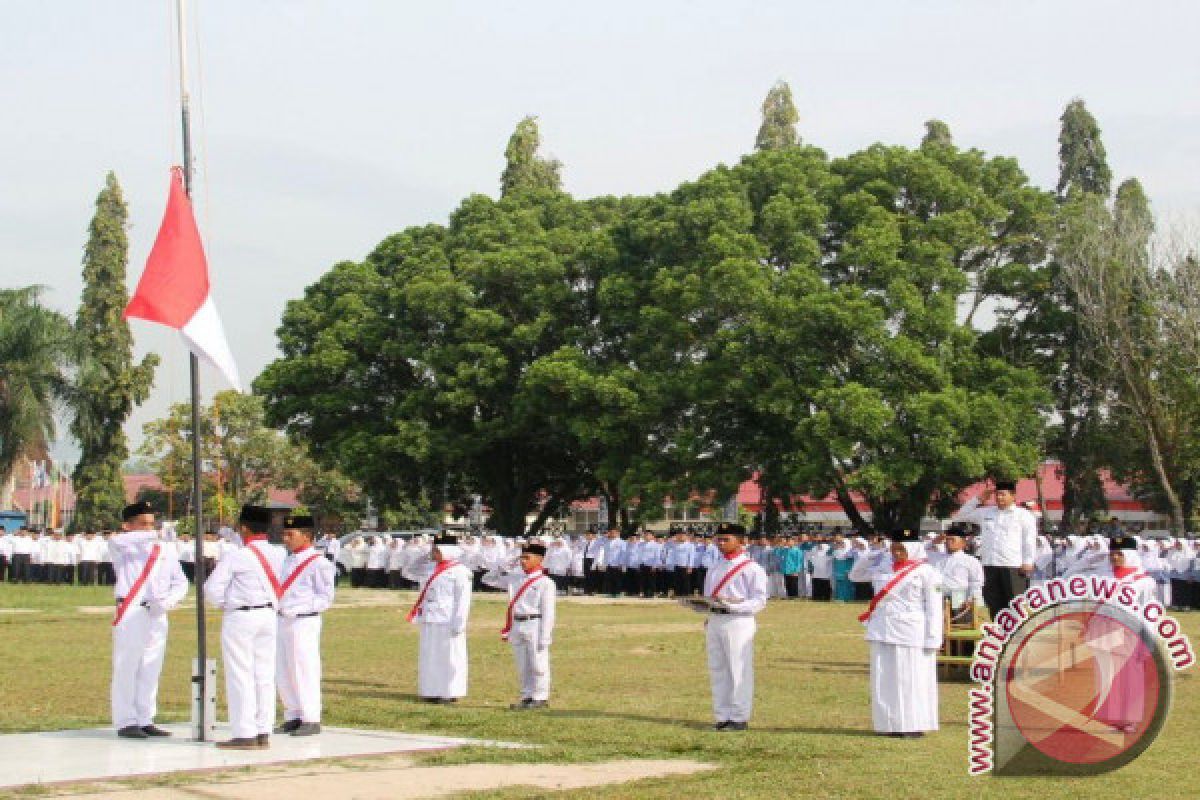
point(629, 681)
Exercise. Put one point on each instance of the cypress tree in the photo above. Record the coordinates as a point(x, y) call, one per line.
point(937, 134)
point(524, 169)
point(109, 384)
point(1082, 163)
point(779, 118)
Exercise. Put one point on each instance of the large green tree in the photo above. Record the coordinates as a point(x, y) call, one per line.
point(37, 353)
point(109, 384)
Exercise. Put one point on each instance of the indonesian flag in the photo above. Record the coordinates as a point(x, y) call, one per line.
point(174, 288)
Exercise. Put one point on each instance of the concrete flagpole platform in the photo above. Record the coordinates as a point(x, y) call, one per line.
point(94, 754)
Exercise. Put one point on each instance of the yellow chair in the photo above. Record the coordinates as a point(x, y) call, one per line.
point(959, 635)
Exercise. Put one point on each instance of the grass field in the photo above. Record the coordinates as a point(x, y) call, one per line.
point(629, 680)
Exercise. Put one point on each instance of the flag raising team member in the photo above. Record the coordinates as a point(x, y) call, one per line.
point(904, 628)
point(243, 584)
point(529, 623)
point(149, 584)
point(306, 591)
point(735, 589)
point(442, 608)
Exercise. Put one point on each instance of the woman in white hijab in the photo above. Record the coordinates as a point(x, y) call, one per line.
point(904, 629)
point(441, 610)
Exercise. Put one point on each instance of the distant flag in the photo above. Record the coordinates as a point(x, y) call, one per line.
point(174, 289)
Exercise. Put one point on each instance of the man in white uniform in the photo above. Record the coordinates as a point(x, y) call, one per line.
point(1007, 543)
point(735, 589)
point(307, 582)
point(243, 584)
point(529, 623)
point(149, 584)
point(441, 610)
point(904, 629)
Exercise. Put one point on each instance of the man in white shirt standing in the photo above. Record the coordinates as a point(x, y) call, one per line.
point(244, 586)
point(529, 623)
point(441, 610)
point(149, 583)
point(307, 582)
point(1007, 543)
point(735, 589)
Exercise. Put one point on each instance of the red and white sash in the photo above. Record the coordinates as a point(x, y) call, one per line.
point(729, 576)
point(136, 589)
point(889, 587)
point(508, 616)
point(287, 583)
point(441, 567)
point(268, 573)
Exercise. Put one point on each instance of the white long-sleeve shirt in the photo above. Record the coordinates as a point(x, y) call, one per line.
point(558, 559)
point(447, 599)
point(311, 592)
point(962, 574)
point(1007, 538)
point(238, 580)
point(745, 592)
point(539, 599)
point(166, 586)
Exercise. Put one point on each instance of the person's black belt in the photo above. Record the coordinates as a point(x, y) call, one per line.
point(309, 614)
point(253, 608)
point(718, 611)
point(143, 604)
point(526, 617)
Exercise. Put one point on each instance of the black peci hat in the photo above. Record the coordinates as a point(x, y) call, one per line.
point(254, 515)
point(136, 510)
point(299, 522)
point(900, 535)
point(1006, 486)
point(446, 539)
point(533, 548)
point(731, 529)
point(1123, 543)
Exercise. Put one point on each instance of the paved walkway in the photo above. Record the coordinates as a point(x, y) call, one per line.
point(96, 753)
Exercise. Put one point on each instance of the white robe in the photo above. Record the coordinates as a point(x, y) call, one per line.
point(442, 651)
point(905, 633)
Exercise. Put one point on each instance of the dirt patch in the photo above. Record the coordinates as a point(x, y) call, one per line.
point(19, 610)
point(397, 780)
point(639, 629)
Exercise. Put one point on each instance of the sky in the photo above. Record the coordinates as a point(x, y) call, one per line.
point(323, 126)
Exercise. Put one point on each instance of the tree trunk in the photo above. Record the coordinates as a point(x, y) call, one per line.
point(1043, 521)
point(548, 510)
point(1178, 522)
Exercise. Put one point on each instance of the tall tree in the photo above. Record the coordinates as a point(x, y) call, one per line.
point(110, 385)
point(1082, 163)
point(36, 354)
point(937, 134)
point(779, 118)
point(524, 168)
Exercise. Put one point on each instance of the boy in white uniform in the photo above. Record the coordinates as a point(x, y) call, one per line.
point(735, 589)
point(149, 584)
point(441, 609)
point(529, 623)
point(308, 587)
point(243, 584)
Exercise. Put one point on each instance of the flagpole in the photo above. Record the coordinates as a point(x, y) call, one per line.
point(194, 371)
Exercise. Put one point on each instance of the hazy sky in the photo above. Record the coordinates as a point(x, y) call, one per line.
point(324, 126)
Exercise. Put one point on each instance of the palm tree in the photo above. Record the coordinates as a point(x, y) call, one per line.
point(37, 349)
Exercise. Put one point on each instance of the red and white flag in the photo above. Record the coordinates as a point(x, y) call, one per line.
point(174, 288)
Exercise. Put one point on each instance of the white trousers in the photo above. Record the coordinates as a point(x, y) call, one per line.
point(729, 640)
point(904, 688)
point(533, 663)
point(248, 650)
point(441, 662)
point(139, 643)
point(776, 586)
point(298, 667)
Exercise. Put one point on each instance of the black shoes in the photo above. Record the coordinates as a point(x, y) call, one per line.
point(243, 743)
point(154, 730)
point(307, 729)
point(528, 704)
point(132, 732)
point(289, 726)
point(730, 725)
